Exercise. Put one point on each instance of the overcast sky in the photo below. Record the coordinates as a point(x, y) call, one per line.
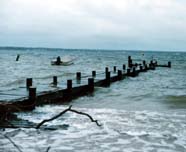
point(101, 24)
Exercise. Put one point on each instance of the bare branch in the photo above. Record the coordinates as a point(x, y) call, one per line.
point(55, 117)
point(63, 112)
point(48, 148)
point(85, 114)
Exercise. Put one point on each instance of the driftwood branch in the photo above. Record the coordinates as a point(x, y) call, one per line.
point(55, 117)
point(13, 143)
point(48, 148)
point(63, 112)
point(85, 114)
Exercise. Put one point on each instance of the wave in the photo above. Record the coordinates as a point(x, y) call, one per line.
point(13, 83)
point(176, 102)
point(129, 130)
point(180, 98)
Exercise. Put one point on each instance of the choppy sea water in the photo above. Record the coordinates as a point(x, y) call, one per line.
point(145, 113)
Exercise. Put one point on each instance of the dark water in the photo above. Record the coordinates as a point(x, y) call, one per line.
point(145, 113)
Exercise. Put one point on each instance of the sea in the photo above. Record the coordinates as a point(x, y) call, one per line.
point(146, 113)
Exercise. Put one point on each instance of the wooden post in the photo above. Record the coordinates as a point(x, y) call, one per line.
point(32, 99)
point(128, 71)
point(141, 68)
point(119, 75)
point(169, 64)
point(107, 78)
point(106, 69)
point(68, 93)
point(93, 73)
point(129, 62)
point(69, 85)
point(134, 72)
point(32, 93)
point(78, 75)
point(150, 66)
point(144, 62)
point(55, 80)
point(124, 67)
point(17, 58)
point(28, 82)
point(114, 69)
point(91, 84)
point(129, 57)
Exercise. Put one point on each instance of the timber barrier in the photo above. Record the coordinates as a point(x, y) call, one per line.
point(72, 91)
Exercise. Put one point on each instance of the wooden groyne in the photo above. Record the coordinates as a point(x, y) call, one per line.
point(74, 91)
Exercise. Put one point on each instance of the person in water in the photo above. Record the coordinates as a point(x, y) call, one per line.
point(58, 61)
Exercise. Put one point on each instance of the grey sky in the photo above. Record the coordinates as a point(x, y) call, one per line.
point(104, 24)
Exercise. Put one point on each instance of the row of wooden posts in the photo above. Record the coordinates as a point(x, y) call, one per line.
point(131, 71)
point(71, 92)
point(32, 90)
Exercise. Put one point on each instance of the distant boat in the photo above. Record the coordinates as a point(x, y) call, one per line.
point(63, 63)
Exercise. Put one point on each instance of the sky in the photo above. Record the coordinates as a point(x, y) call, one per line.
point(94, 24)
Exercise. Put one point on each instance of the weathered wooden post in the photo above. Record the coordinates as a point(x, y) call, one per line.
point(69, 85)
point(124, 67)
point(32, 99)
point(144, 62)
point(169, 64)
point(106, 69)
point(32, 93)
point(119, 75)
point(55, 80)
point(128, 71)
point(114, 69)
point(68, 94)
point(129, 62)
point(17, 58)
point(150, 66)
point(107, 78)
point(134, 72)
point(78, 75)
point(28, 82)
point(93, 73)
point(91, 84)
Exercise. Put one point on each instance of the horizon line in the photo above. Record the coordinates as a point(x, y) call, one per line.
point(52, 48)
